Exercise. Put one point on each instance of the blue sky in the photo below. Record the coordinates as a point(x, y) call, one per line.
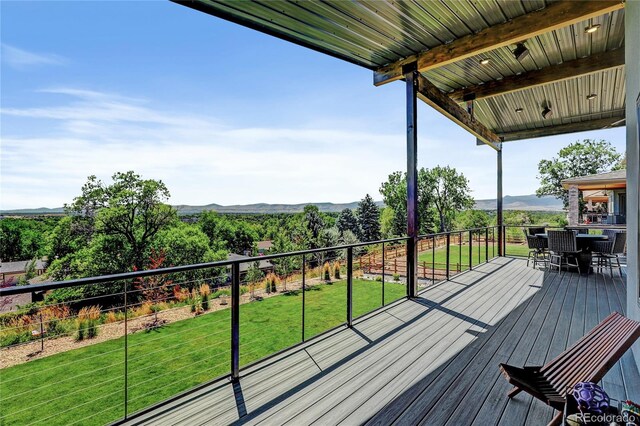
point(222, 114)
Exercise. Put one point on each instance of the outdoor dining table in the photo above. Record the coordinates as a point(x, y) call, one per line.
point(584, 243)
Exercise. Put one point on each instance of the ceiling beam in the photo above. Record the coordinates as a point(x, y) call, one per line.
point(603, 123)
point(552, 17)
point(564, 71)
point(431, 95)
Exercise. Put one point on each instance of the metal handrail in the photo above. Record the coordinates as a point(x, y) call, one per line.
point(235, 367)
point(8, 291)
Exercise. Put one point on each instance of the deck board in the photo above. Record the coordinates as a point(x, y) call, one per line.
point(432, 360)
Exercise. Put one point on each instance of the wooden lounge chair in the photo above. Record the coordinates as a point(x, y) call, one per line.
point(588, 360)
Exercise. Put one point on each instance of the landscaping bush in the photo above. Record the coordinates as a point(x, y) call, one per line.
point(271, 283)
point(205, 293)
point(87, 323)
point(326, 271)
point(396, 277)
point(336, 270)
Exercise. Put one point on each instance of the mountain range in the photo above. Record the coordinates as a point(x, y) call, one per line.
point(515, 202)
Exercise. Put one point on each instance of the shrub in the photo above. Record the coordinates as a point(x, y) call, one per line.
point(180, 294)
point(271, 283)
point(205, 294)
point(379, 278)
point(144, 309)
point(336, 270)
point(396, 277)
point(111, 317)
point(326, 271)
point(87, 322)
point(196, 302)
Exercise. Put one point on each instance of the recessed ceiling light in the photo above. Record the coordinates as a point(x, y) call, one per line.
point(519, 110)
point(546, 113)
point(520, 52)
point(592, 28)
point(485, 61)
point(592, 96)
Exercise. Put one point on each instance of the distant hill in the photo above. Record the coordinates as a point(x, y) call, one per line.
point(269, 208)
point(517, 202)
point(523, 202)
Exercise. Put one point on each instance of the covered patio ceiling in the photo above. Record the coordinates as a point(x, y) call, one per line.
point(447, 40)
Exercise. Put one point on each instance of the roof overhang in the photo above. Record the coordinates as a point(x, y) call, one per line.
point(446, 41)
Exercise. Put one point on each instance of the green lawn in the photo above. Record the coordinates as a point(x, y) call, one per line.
point(456, 257)
point(86, 386)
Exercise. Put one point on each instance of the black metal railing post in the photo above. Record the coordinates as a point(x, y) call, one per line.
point(126, 353)
point(433, 259)
point(486, 244)
point(459, 251)
point(383, 274)
point(504, 240)
point(479, 251)
point(350, 286)
point(470, 250)
point(448, 254)
point(304, 290)
point(235, 321)
point(493, 242)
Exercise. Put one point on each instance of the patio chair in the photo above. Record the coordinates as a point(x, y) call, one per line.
point(537, 250)
point(588, 359)
point(536, 230)
point(606, 251)
point(603, 246)
point(562, 249)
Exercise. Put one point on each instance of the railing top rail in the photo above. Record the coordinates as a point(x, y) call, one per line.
point(9, 291)
point(455, 231)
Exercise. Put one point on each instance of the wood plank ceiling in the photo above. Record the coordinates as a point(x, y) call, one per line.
point(450, 38)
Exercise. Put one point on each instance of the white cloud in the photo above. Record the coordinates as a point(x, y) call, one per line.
point(22, 59)
point(201, 160)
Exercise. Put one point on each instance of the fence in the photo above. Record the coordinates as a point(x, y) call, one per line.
point(101, 349)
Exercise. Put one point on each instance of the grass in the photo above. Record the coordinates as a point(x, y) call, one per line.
point(86, 386)
point(456, 256)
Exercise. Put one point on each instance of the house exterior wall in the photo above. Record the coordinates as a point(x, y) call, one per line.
point(574, 205)
point(632, 66)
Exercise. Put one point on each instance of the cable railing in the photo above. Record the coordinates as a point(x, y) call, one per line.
point(104, 349)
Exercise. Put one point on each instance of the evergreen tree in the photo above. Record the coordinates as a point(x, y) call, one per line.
point(369, 219)
point(347, 221)
point(313, 224)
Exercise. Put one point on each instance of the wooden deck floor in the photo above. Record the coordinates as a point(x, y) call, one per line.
point(432, 361)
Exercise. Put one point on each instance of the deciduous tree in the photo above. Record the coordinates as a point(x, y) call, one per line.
point(588, 157)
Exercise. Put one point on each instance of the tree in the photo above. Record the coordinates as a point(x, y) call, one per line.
point(234, 236)
point(347, 221)
point(450, 194)
point(470, 219)
point(155, 288)
point(394, 193)
point(588, 157)
point(313, 225)
point(22, 239)
point(283, 265)
point(254, 276)
point(131, 208)
point(185, 244)
point(386, 223)
point(368, 219)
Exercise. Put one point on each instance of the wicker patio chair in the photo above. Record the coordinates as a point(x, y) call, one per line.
point(537, 250)
point(562, 249)
point(599, 247)
point(612, 250)
point(536, 230)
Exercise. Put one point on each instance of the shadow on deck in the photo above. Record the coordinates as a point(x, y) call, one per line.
point(433, 360)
